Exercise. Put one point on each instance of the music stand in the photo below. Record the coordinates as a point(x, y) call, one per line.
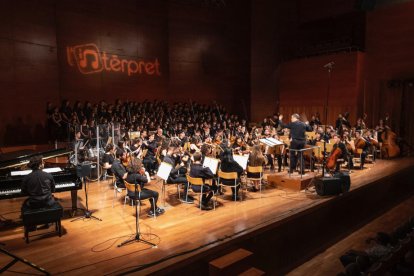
point(137, 236)
point(83, 170)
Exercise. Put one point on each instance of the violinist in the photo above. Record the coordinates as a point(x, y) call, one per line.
point(150, 162)
point(108, 158)
point(198, 171)
point(256, 159)
point(121, 147)
point(239, 146)
point(119, 170)
point(229, 165)
point(136, 147)
point(136, 175)
point(159, 136)
point(178, 173)
point(361, 143)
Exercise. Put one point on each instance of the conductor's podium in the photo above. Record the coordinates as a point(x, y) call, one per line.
point(293, 182)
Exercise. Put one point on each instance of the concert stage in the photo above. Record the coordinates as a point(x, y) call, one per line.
point(282, 228)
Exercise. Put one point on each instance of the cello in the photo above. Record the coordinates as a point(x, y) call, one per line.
point(332, 159)
point(389, 148)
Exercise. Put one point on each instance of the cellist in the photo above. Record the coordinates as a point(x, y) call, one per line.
point(363, 144)
point(338, 146)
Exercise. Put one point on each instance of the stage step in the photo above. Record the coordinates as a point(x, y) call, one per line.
point(252, 272)
point(230, 264)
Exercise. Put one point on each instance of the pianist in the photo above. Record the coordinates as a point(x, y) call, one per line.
point(38, 185)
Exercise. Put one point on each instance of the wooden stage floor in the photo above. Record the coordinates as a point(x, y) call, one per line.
point(90, 247)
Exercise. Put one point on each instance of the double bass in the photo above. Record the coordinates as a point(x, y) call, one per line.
point(389, 148)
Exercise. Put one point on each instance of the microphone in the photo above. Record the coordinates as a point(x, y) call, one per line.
point(329, 65)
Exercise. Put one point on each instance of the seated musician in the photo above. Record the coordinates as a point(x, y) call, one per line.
point(136, 147)
point(159, 136)
point(197, 170)
point(373, 143)
point(363, 144)
point(195, 145)
point(136, 175)
point(256, 158)
point(239, 146)
point(150, 162)
point(344, 152)
point(119, 170)
point(121, 147)
point(38, 185)
point(108, 158)
point(229, 165)
point(178, 173)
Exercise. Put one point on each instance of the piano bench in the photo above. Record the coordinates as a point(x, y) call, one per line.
point(34, 217)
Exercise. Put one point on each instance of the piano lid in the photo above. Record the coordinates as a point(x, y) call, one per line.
point(20, 158)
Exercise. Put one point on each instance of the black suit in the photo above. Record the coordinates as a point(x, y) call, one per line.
point(232, 166)
point(138, 179)
point(198, 171)
point(298, 133)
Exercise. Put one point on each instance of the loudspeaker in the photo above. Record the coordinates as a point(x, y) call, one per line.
point(337, 184)
point(84, 169)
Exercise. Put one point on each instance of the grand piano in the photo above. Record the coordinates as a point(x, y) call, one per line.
point(12, 172)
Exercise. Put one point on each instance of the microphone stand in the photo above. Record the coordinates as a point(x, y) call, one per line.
point(329, 66)
point(137, 236)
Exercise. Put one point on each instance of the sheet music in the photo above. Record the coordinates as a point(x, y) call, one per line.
point(274, 141)
point(164, 171)
point(241, 160)
point(266, 142)
point(211, 163)
point(26, 172)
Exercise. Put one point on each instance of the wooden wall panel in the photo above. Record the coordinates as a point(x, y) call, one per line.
point(203, 53)
point(304, 86)
point(390, 56)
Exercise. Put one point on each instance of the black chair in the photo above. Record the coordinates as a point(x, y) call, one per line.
point(34, 217)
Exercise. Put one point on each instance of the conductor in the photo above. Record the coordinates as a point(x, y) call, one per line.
point(298, 137)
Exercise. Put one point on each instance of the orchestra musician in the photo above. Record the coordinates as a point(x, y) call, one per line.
point(363, 144)
point(198, 171)
point(344, 152)
point(256, 158)
point(38, 185)
point(136, 175)
point(150, 162)
point(297, 132)
point(229, 165)
point(108, 158)
point(119, 170)
point(178, 173)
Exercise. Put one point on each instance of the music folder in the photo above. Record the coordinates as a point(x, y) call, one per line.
point(211, 163)
point(241, 160)
point(164, 170)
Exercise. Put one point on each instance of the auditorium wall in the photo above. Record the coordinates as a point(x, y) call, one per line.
point(390, 56)
point(129, 49)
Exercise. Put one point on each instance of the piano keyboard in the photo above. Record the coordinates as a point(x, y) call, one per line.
point(60, 186)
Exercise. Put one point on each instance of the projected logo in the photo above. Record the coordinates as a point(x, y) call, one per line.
point(89, 60)
point(86, 57)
